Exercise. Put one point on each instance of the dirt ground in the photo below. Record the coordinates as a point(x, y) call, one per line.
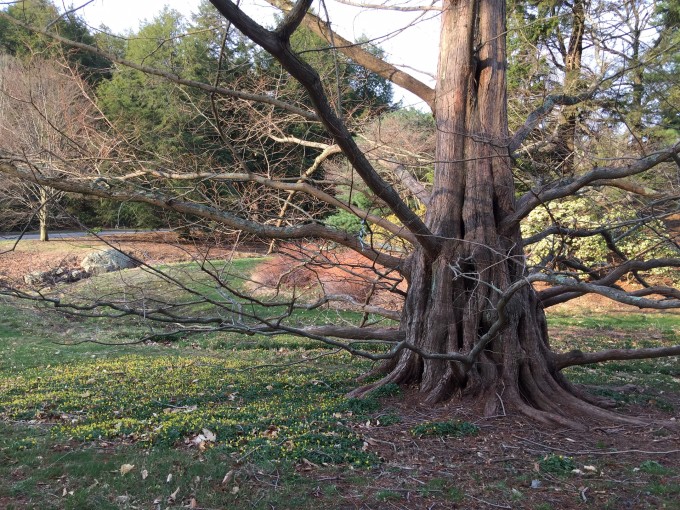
point(504, 466)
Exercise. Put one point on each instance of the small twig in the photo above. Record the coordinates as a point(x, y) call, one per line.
point(488, 502)
point(595, 452)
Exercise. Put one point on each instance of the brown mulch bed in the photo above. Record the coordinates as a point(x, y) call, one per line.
point(497, 467)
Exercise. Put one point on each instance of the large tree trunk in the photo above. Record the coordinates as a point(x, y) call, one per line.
point(452, 298)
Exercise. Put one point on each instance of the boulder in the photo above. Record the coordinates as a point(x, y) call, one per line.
point(105, 261)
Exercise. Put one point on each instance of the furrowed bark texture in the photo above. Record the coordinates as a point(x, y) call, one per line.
point(452, 296)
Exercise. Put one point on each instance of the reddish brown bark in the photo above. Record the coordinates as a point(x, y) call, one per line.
point(453, 295)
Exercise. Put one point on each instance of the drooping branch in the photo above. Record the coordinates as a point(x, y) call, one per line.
point(311, 81)
point(567, 288)
point(102, 190)
point(534, 198)
point(363, 57)
point(213, 89)
point(298, 187)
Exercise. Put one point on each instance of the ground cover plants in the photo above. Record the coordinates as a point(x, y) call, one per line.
point(223, 421)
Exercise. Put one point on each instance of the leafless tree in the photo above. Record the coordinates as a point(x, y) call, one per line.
point(45, 119)
point(472, 325)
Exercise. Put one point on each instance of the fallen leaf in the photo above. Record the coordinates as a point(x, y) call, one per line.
point(173, 496)
point(209, 436)
point(193, 503)
point(145, 473)
point(272, 432)
point(126, 468)
point(169, 479)
point(592, 469)
point(228, 477)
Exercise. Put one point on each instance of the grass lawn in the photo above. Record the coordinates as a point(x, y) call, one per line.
point(225, 421)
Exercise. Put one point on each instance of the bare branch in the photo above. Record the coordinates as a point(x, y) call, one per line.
point(577, 357)
point(390, 7)
point(569, 287)
point(292, 188)
point(532, 199)
point(413, 184)
point(293, 19)
point(540, 113)
point(311, 230)
point(363, 57)
point(310, 80)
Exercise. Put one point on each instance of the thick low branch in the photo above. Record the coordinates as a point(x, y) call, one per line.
point(311, 230)
point(355, 333)
point(577, 357)
point(629, 186)
point(292, 188)
point(373, 309)
point(247, 96)
point(569, 288)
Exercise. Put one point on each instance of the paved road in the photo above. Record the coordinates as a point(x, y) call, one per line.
point(32, 236)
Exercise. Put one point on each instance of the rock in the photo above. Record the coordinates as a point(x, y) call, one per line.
point(54, 276)
point(106, 261)
point(39, 278)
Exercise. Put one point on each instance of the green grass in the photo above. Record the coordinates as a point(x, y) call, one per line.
point(665, 323)
point(556, 464)
point(73, 413)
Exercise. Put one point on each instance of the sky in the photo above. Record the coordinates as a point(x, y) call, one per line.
point(415, 47)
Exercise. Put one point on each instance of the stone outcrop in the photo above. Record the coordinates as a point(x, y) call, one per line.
point(105, 261)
